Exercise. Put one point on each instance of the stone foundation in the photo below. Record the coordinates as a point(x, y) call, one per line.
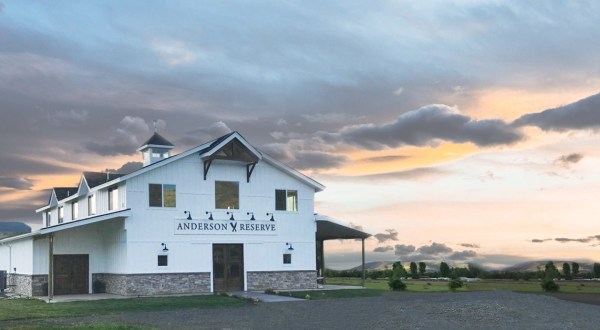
point(28, 285)
point(154, 284)
point(284, 280)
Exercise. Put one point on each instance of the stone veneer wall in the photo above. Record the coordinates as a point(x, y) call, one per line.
point(154, 284)
point(283, 280)
point(28, 285)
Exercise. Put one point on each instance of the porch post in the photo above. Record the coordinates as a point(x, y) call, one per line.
point(50, 266)
point(362, 282)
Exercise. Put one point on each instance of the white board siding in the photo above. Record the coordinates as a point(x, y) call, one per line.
point(150, 226)
point(17, 254)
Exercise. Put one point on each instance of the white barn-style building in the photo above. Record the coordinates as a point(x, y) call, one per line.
point(219, 217)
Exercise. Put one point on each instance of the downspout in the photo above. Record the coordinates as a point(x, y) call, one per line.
point(50, 267)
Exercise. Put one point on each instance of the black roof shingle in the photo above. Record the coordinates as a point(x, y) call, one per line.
point(62, 192)
point(158, 139)
point(95, 179)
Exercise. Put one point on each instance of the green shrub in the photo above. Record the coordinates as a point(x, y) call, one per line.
point(455, 284)
point(269, 291)
point(396, 284)
point(549, 286)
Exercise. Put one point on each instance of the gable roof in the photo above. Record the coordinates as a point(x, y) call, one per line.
point(101, 179)
point(94, 179)
point(62, 192)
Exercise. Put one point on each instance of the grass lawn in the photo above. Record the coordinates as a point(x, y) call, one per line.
point(17, 309)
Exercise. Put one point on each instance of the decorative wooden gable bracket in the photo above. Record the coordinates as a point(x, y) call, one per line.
point(249, 170)
point(207, 164)
point(233, 151)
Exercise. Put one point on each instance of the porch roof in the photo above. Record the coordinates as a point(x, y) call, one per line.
point(328, 228)
point(120, 214)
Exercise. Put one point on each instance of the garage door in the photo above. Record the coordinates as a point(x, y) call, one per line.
point(71, 273)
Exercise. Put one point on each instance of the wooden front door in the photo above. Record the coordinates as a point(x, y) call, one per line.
point(228, 267)
point(71, 273)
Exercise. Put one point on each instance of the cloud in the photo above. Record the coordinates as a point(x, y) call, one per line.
point(426, 126)
point(292, 154)
point(434, 249)
point(204, 134)
point(412, 174)
point(392, 235)
point(462, 255)
point(578, 240)
point(383, 248)
point(389, 158)
point(583, 114)
point(470, 245)
point(13, 165)
point(537, 240)
point(124, 140)
point(567, 160)
point(16, 183)
point(126, 168)
point(174, 52)
point(402, 250)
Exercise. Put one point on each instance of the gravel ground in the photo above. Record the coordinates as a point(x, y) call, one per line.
point(469, 310)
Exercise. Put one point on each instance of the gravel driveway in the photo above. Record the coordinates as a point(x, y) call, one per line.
point(469, 310)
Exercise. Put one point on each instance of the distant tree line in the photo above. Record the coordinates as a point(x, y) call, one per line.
point(417, 270)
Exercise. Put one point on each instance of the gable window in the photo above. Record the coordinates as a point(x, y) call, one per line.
point(163, 260)
point(287, 258)
point(162, 195)
point(48, 218)
point(227, 195)
point(61, 214)
point(113, 198)
point(74, 210)
point(286, 200)
point(91, 204)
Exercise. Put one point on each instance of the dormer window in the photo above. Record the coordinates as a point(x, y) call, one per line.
point(91, 205)
point(61, 214)
point(48, 219)
point(74, 210)
point(113, 198)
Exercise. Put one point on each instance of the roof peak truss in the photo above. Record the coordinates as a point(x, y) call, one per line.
point(233, 150)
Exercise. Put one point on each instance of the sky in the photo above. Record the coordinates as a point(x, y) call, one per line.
point(457, 131)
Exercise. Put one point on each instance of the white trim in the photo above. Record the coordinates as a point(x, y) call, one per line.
point(240, 138)
point(85, 221)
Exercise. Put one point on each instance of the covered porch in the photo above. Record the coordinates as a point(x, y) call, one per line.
point(331, 229)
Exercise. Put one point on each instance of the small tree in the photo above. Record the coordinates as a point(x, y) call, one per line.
point(596, 270)
point(567, 271)
point(444, 269)
point(422, 268)
point(398, 271)
point(575, 269)
point(413, 270)
point(550, 274)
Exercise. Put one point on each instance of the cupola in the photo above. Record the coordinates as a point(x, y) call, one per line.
point(155, 149)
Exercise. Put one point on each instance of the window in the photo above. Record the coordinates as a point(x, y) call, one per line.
point(113, 199)
point(287, 258)
point(61, 214)
point(163, 260)
point(227, 195)
point(162, 195)
point(286, 200)
point(74, 210)
point(48, 218)
point(91, 204)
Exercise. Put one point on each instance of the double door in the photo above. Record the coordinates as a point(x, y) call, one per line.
point(228, 267)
